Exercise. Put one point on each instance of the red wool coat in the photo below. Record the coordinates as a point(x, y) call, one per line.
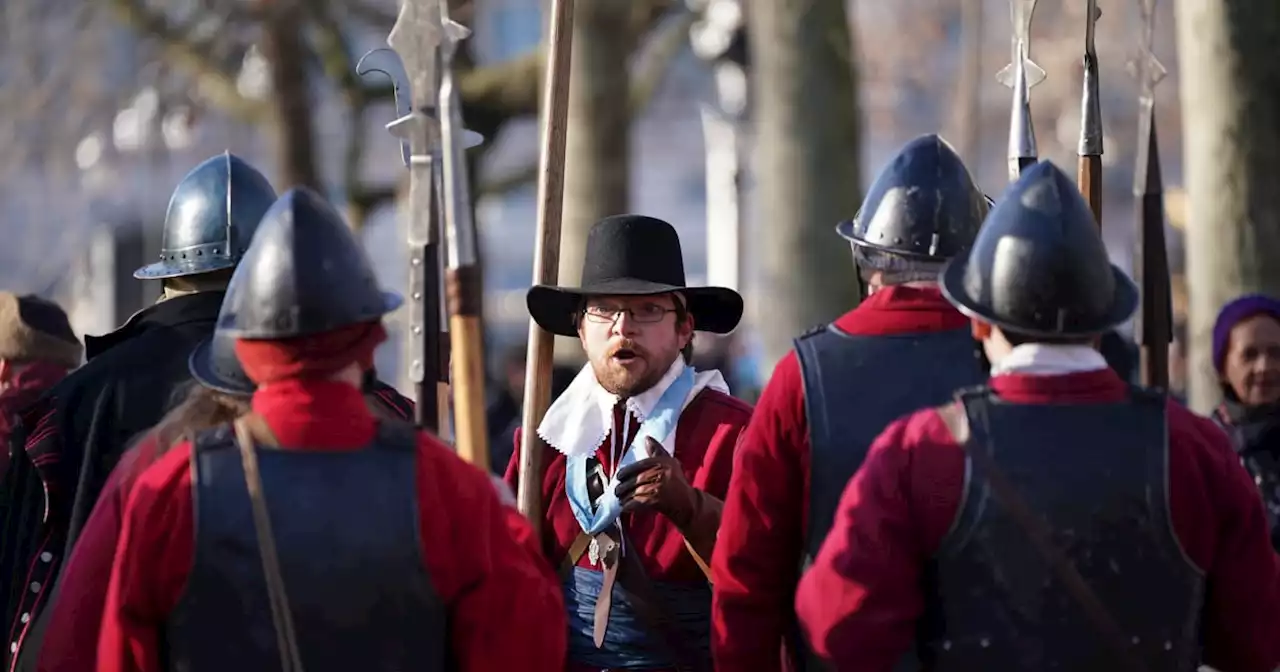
point(762, 530)
point(493, 589)
point(706, 437)
point(859, 602)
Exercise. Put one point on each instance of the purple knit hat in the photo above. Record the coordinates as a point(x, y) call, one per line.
point(1236, 312)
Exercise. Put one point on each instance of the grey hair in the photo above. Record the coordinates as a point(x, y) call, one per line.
point(896, 269)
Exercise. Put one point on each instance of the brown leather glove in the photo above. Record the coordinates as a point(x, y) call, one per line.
point(658, 482)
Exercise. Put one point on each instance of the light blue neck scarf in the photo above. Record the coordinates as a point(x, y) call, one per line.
point(658, 426)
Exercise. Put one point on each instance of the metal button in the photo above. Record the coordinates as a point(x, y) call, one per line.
point(13, 648)
point(35, 586)
point(26, 617)
point(46, 557)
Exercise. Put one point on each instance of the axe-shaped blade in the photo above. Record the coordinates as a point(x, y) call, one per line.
point(387, 62)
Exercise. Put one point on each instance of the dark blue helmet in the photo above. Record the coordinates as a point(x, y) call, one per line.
point(304, 274)
point(923, 205)
point(211, 218)
point(1038, 267)
point(213, 364)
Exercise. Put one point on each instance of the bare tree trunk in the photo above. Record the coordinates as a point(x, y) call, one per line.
point(1230, 81)
point(597, 164)
point(966, 120)
point(807, 164)
point(285, 51)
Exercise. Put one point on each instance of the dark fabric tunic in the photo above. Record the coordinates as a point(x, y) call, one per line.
point(72, 437)
point(854, 386)
point(346, 529)
point(999, 604)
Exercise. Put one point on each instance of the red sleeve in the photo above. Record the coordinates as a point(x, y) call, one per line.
point(512, 476)
point(152, 560)
point(859, 603)
point(759, 547)
point(505, 607)
point(1242, 597)
point(71, 638)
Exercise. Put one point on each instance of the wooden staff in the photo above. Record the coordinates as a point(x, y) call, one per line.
point(546, 264)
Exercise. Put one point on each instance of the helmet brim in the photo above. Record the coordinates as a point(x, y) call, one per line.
point(1124, 301)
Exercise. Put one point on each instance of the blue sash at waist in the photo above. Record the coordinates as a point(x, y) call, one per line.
point(628, 642)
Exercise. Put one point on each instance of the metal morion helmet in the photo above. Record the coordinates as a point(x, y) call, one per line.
point(923, 205)
point(211, 218)
point(304, 274)
point(1038, 267)
point(214, 365)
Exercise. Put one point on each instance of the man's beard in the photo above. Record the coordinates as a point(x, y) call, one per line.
point(623, 382)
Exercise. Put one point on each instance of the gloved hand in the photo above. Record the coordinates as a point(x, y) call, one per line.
point(657, 482)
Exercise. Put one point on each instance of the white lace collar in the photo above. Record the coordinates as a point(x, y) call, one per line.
point(1041, 359)
point(581, 418)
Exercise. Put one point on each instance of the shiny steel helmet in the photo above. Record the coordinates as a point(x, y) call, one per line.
point(1038, 267)
point(924, 205)
point(213, 364)
point(304, 274)
point(211, 218)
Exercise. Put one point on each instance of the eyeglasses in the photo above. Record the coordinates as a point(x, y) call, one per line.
point(648, 313)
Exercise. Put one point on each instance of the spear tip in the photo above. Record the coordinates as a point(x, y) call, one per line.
point(1033, 74)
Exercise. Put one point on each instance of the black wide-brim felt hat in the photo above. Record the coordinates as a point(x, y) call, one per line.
point(633, 255)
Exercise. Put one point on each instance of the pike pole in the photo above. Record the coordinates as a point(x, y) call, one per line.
point(546, 261)
point(422, 213)
point(464, 283)
point(1021, 75)
point(1089, 170)
point(1154, 326)
point(420, 64)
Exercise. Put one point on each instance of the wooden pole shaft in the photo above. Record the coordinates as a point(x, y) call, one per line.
point(546, 266)
point(470, 435)
point(1089, 177)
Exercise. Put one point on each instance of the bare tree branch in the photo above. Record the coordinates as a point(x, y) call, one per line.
point(665, 45)
point(215, 83)
point(336, 60)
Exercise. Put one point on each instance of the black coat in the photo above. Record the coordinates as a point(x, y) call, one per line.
point(75, 435)
point(1255, 434)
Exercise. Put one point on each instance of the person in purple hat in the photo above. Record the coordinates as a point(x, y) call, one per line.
point(1246, 353)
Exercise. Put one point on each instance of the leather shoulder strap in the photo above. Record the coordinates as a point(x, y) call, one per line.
point(286, 640)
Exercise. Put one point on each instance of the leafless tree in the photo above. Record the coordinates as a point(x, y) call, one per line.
point(1231, 101)
point(807, 156)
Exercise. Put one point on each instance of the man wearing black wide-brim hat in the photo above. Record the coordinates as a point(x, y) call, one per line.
point(902, 348)
point(1055, 518)
point(643, 450)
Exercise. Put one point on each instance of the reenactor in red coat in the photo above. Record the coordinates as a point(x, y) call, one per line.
point(1056, 518)
point(902, 348)
point(307, 533)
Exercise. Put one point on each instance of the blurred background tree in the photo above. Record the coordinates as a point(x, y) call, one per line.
point(104, 105)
